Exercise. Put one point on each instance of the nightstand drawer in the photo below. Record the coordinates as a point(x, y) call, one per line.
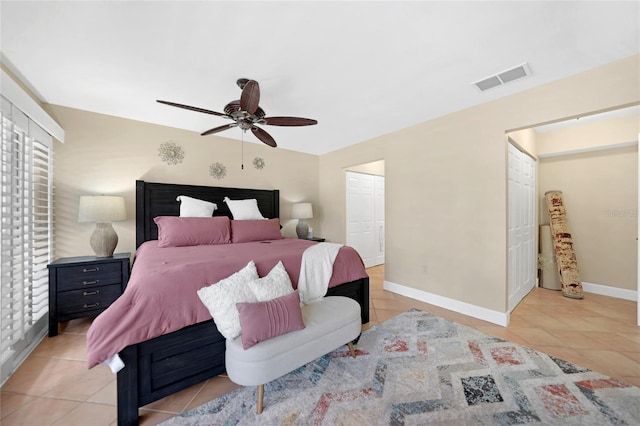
point(87, 276)
point(88, 299)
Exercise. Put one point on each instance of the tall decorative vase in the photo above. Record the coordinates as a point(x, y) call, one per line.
point(563, 246)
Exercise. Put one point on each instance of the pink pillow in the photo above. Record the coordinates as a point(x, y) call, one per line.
point(174, 231)
point(244, 231)
point(264, 320)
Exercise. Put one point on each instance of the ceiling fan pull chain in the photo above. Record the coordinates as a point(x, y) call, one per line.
point(242, 159)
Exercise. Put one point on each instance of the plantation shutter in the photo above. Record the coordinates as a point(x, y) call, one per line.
point(26, 238)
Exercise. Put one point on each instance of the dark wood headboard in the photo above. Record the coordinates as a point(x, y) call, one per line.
point(159, 199)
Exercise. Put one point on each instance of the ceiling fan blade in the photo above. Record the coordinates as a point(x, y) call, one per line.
point(206, 111)
point(250, 97)
point(264, 136)
point(289, 121)
point(218, 129)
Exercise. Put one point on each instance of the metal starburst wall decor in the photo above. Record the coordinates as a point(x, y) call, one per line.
point(217, 170)
point(171, 153)
point(258, 163)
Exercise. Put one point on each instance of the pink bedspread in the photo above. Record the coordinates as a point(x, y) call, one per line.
point(161, 294)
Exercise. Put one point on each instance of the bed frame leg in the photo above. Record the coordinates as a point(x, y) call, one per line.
point(260, 398)
point(364, 300)
point(127, 384)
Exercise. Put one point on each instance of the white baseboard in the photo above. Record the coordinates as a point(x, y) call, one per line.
point(495, 317)
point(606, 290)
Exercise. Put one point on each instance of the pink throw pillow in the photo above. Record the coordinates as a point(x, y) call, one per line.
point(264, 320)
point(244, 231)
point(174, 231)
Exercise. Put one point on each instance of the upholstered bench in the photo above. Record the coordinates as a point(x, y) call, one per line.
point(330, 323)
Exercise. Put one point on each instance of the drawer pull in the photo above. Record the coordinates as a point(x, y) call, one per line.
point(91, 293)
point(96, 269)
point(90, 282)
point(93, 305)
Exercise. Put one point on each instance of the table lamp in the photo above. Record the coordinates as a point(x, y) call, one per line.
point(102, 209)
point(302, 211)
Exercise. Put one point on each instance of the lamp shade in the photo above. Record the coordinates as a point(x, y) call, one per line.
point(302, 211)
point(101, 209)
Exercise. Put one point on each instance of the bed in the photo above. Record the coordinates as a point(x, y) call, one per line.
point(162, 365)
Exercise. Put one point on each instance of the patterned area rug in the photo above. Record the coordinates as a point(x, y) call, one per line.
point(417, 368)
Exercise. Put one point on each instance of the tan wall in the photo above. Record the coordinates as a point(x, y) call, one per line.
point(446, 184)
point(591, 135)
point(600, 192)
point(526, 140)
point(373, 168)
point(105, 155)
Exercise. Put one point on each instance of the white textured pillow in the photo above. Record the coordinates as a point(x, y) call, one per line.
point(193, 207)
point(221, 298)
point(244, 209)
point(273, 285)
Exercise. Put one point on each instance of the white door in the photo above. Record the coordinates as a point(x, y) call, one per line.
point(522, 226)
point(378, 215)
point(365, 216)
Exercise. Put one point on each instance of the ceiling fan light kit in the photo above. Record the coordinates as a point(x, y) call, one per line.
point(246, 114)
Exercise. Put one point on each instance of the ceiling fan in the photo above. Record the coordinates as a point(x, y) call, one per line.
point(246, 113)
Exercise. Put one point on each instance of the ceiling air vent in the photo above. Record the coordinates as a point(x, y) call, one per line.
point(503, 77)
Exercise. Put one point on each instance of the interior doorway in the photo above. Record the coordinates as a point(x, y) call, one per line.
point(365, 227)
point(592, 158)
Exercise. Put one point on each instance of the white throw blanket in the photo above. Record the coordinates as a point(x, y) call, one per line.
point(316, 269)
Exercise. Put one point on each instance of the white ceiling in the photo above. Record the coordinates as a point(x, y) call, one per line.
point(362, 69)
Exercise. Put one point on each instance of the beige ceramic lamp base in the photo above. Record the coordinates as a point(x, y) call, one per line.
point(302, 229)
point(104, 240)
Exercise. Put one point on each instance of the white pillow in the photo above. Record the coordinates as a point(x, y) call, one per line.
point(221, 298)
point(273, 285)
point(244, 209)
point(192, 207)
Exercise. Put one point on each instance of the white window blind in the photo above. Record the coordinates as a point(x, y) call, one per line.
point(26, 234)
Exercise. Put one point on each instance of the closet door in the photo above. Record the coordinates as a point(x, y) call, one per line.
point(521, 226)
point(365, 216)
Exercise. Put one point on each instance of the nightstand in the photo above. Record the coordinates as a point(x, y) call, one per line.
point(316, 239)
point(84, 286)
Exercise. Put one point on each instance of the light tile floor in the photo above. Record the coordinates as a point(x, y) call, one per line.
point(54, 387)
